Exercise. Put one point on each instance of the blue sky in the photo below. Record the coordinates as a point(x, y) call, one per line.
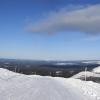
point(50, 29)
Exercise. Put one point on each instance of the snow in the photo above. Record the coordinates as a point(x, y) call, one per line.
point(87, 73)
point(94, 73)
point(96, 70)
point(15, 86)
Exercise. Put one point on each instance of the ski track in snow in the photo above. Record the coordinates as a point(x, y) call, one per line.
point(23, 87)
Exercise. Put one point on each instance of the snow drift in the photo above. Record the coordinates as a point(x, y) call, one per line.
point(81, 75)
point(15, 86)
point(96, 70)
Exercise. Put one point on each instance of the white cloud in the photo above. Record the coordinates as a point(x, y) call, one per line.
point(86, 19)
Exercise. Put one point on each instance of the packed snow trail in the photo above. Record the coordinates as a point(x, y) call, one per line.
point(23, 87)
point(38, 89)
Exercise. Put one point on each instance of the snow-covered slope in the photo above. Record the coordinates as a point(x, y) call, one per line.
point(94, 73)
point(32, 87)
point(87, 73)
point(96, 70)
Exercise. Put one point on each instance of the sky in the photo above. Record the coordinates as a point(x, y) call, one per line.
point(50, 29)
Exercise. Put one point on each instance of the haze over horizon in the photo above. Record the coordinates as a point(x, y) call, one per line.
point(50, 29)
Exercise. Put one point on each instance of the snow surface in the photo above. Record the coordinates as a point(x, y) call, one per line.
point(87, 73)
point(15, 86)
point(94, 73)
point(96, 70)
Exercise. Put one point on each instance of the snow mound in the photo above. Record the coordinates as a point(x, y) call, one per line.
point(15, 86)
point(6, 74)
point(96, 70)
point(81, 75)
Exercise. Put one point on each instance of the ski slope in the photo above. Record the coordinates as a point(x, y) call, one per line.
point(15, 86)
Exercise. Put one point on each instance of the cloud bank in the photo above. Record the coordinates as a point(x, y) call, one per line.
point(85, 19)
